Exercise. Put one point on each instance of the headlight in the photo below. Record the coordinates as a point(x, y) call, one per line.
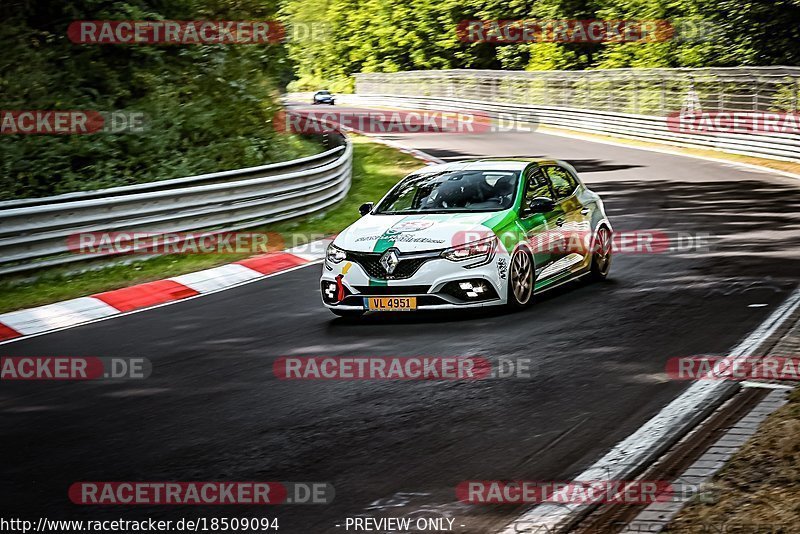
point(482, 250)
point(334, 254)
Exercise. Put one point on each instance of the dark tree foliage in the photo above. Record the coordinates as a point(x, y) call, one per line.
point(394, 35)
point(208, 107)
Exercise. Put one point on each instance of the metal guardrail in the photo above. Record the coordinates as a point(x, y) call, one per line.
point(34, 233)
point(596, 102)
point(641, 127)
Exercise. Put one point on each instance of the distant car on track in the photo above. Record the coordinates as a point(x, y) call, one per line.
point(323, 97)
point(468, 234)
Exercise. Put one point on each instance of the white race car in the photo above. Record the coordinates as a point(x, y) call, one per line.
point(468, 234)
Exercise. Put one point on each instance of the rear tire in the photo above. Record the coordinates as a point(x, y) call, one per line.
point(520, 280)
point(601, 254)
point(350, 314)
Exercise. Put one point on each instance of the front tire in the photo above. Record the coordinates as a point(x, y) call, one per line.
point(520, 280)
point(601, 254)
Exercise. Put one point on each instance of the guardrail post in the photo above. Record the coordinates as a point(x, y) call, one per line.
point(756, 97)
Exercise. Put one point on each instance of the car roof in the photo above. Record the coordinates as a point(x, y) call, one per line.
point(488, 164)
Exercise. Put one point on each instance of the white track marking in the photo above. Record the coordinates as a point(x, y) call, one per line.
point(85, 310)
point(170, 303)
point(217, 278)
point(57, 316)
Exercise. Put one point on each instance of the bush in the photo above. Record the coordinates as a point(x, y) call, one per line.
point(208, 107)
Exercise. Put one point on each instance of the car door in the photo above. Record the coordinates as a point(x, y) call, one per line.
point(541, 228)
point(574, 220)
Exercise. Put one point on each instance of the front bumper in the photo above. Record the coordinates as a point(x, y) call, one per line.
point(436, 284)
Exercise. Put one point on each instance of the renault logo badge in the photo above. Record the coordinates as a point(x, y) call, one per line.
point(389, 260)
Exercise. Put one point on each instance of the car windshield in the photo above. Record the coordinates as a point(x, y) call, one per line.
point(323, 92)
point(452, 191)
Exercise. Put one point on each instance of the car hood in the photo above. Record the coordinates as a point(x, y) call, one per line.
point(414, 233)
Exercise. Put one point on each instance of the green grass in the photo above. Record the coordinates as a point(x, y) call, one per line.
point(375, 169)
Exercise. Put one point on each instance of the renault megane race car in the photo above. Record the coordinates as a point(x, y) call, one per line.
point(469, 234)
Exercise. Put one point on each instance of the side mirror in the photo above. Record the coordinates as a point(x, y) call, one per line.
point(365, 208)
point(540, 205)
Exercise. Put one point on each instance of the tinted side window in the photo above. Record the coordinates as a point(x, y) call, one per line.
point(537, 187)
point(564, 183)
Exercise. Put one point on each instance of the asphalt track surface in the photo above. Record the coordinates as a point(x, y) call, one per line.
point(212, 409)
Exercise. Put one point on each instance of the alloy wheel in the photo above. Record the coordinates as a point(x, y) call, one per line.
point(521, 277)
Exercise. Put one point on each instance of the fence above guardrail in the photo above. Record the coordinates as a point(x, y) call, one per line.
point(638, 91)
point(35, 233)
point(633, 103)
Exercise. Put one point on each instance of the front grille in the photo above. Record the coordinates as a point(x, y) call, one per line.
point(371, 263)
point(391, 290)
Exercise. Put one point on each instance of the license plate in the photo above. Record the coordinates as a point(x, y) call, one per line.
point(390, 303)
